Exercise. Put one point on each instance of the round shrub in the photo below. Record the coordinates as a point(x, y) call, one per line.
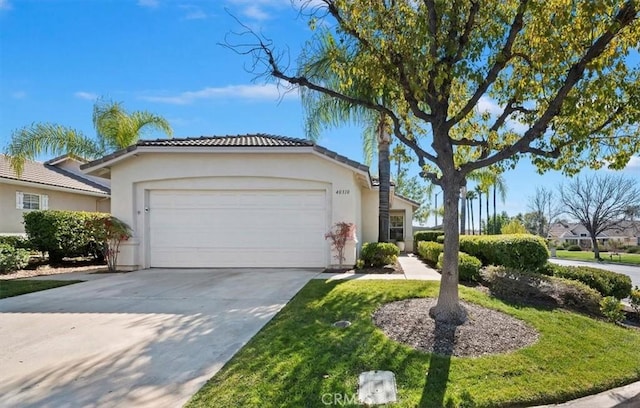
point(12, 259)
point(468, 266)
point(533, 288)
point(633, 249)
point(611, 309)
point(574, 248)
point(430, 251)
point(378, 254)
point(430, 236)
point(519, 251)
point(606, 282)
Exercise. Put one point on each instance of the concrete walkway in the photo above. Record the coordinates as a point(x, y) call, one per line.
point(414, 269)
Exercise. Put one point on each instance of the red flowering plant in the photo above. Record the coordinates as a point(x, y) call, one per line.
point(339, 235)
point(110, 232)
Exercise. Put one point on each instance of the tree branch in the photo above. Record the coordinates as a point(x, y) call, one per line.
point(501, 61)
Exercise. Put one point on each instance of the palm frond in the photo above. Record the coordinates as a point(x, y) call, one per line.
point(45, 138)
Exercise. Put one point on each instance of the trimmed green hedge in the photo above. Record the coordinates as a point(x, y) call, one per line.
point(15, 241)
point(430, 251)
point(519, 251)
point(62, 233)
point(12, 258)
point(379, 253)
point(429, 236)
point(468, 266)
point(530, 287)
point(606, 282)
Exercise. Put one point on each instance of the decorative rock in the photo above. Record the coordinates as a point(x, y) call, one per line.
point(342, 323)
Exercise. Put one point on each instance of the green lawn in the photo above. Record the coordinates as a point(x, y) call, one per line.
point(588, 256)
point(9, 288)
point(300, 360)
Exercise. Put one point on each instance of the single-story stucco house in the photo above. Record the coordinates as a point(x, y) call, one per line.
point(241, 201)
point(627, 233)
point(57, 184)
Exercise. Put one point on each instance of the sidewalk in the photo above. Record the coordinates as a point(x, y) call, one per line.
point(413, 268)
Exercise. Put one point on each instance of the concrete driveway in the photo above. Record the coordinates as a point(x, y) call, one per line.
point(149, 338)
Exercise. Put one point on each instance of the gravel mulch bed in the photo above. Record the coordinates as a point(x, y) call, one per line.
point(486, 331)
point(49, 270)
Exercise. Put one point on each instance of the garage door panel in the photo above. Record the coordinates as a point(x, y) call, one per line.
point(237, 228)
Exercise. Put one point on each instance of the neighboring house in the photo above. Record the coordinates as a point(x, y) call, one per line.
point(241, 201)
point(57, 184)
point(573, 233)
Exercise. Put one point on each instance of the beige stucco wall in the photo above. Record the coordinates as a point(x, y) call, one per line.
point(11, 217)
point(370, 217)
point(134, 177)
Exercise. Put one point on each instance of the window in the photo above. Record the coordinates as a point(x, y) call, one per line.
point(28, 201)
point(396, 230)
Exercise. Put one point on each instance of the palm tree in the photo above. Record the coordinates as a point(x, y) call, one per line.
point(115, 129)
point(478, 191)
point(500, 186)
point(471, 195)
point(323, 112)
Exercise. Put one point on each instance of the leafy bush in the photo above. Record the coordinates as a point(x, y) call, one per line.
point(62, 233)
point(533, 288)
point(611, 308)
point(606, 282)
point(15, 241)
point(430, 251)
point(12, 259)
point(379, 253)
point(430, 236)
point(468, 266)
point(109, 232)
point(513, 227)
point(574, 248)
point(633, 249)
point(634, 298)
point(519, 251)
point(440, 239)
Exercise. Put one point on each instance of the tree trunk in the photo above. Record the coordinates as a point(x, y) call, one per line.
point(384, 170)
point(488, 231)
point(596, 249)
point(448, 308)
point(473, 226)
point(479, 212)
point(462, 193)
point(495, 218)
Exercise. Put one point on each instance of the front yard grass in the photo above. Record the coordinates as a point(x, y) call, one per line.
point(300, 360)
point(588, 257)
point(9, 288)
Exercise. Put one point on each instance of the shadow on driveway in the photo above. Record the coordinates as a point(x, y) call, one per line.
point(148, 338)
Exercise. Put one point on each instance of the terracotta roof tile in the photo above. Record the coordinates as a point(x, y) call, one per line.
point(254, 140)
point(47, 175)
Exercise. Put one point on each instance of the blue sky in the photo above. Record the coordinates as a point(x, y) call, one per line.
point(57, 56)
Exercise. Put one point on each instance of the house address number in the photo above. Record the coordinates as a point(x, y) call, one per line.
point(343, 192)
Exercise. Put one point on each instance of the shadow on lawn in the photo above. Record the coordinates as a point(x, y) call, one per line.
point(433, 394)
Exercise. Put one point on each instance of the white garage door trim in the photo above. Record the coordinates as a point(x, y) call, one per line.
point(237, 228)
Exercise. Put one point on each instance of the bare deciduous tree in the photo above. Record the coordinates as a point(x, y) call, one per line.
point(544, 205)
point(599, 202)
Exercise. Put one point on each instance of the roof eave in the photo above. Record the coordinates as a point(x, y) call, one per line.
point(34, 184)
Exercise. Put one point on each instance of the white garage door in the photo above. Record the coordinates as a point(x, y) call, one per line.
point(221, 228)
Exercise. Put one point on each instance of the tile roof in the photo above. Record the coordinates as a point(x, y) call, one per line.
point(253, 140)
point(257, 140)
point(47, 175)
